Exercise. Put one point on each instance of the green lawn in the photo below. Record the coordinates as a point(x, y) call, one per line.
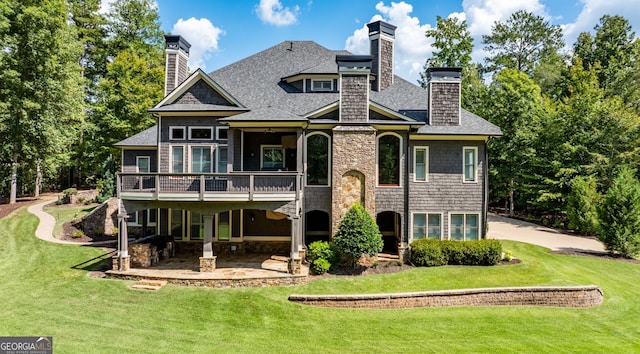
point(65, 214)
point(45, 291)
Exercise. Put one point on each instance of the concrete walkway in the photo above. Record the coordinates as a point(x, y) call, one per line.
point(47, 223)
point(503, 228)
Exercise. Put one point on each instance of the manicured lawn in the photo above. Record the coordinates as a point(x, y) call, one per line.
point(46, 291)
point(64, 213)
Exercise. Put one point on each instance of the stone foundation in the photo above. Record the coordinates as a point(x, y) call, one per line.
point(561, 296)
point(295, 265)
point(224, 248)
point(143, 255)
point(208, 264)
point(126, 263)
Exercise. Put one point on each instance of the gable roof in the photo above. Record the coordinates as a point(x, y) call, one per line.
point(145, 139)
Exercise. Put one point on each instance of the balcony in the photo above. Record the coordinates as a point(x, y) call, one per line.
point(210, 187)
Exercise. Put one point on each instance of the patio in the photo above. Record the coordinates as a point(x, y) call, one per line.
point(252, 270)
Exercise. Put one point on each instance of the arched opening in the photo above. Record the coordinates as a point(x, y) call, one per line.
point(318, 159)
point(317, 226)
point(390, 228)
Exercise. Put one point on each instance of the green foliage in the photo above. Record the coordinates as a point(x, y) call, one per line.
point(77, 234)
point(582, 205)
point(322, 256)
point(106, 185)
point(620, 215)
point(430, 252)
point(70, 191)
point(358, 234)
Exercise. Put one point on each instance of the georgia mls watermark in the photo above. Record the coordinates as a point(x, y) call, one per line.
point(26, 345)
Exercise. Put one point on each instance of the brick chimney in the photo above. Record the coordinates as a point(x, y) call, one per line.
point(177, 57)
point(381, 37)
point(443, 86)
point(354, 73)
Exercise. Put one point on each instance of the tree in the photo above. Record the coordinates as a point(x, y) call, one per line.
point(40, 85)
point(454, 44)
point(358, 234)
point(134, 25)
point(620, 214)
point(582, 205)
point(521, 42)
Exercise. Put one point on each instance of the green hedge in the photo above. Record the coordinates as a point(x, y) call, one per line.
point(430, 253)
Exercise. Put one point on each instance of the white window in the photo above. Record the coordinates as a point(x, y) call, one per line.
point(464, 226)
point(470, 164)
point(427, 225)
point(177, 133)
point(421, 164)
point(201, 159)
point(221, 159)
point(143, 164)
point(201, 133)
point(196, 230)
point(177, 159)
point(221, 133)
point(271, 157)
point(135, 218)
point(322, 85)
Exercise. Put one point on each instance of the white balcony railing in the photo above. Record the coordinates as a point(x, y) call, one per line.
point(237, 186)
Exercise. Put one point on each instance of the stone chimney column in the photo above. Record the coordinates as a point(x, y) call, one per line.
point(176, 65)
point(381, 37)
point(443, 87)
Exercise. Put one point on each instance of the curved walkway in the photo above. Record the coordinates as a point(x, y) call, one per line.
point(47, 223)
point(503, 228)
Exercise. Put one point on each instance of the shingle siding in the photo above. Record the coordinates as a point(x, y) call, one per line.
point(129, 160)
point(354, 104)
point(317, 198)
point(445, 103)
point(201, 93)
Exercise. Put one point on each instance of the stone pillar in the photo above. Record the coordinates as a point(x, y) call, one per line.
point(208, 264)
point(353, 176)
point(207, 247)
point(121, 264)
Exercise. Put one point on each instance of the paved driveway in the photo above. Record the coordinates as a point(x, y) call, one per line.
point(502, 228)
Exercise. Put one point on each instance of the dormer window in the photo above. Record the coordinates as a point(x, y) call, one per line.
point(322, 85)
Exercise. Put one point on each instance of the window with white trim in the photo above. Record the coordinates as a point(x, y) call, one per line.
point(318, 159)
point(143, 164)
point(464, 226)
point(427, 225)
point(271, 157)
point(224, 226)
point(322, 85)
point(196, 230)
point(389, 146)
point(201, 133)
point(135, 218)
point(177, 133)
point(177, 159)
point(421, 163)
point(222, 133)
point(201, 159)
point(470, 164)
point(221, 159)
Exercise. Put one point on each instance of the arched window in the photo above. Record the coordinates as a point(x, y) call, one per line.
point(389, 159)
point(318, 159)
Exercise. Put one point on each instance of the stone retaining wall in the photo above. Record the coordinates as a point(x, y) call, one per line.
point(562, 296)
point(218, 283)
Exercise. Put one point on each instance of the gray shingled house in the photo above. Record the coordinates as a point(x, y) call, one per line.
point(268, 153)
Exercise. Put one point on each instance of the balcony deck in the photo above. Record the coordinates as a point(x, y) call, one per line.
point(235, 186)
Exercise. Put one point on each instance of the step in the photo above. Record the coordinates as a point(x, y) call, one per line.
point(148, 284)
point(382, 256)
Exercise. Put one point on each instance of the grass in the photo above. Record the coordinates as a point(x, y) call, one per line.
point(64, 214)
point(46, 291)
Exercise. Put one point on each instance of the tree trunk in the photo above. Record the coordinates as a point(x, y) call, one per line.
point(14, 174)
point(511, 198)
point(38, 178)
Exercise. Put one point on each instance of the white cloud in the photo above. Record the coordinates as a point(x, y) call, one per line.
point(593, 10)
point(411, 47)
point(272, 12)
point(202, 35)
point(105, 6)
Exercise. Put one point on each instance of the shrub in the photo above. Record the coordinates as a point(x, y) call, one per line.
point(70, 191)
point(427, 253)
point(77, 234)
point(507, 256)
point(320, 266)
point(454, 252)
point(582, 205)
point(114, 232)
point(358, 234)
point(483, 252)
point(98, 232)
point(322, 256)
point(619, 215)
point(59, 202)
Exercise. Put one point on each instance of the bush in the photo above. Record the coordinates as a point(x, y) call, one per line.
point(70, 191)
point(619, 215)
point(358, 234)
point(322, 256)
point(582, 205)
point(429, 253)
point(77, 234)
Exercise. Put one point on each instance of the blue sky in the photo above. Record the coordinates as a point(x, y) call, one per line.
point(223, 31)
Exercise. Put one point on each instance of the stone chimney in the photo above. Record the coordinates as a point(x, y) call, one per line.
point(177, 57)
point(354, 71)
point(443, 86)
point(381, 37)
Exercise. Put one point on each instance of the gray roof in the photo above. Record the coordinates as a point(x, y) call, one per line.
point(264, 114)
point(146, 138)
point(196, 108)
point(470, 124)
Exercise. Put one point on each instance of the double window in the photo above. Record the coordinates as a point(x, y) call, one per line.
point(201, 159)
point(318, 159)
point(427, 225)
point(322, 85)
point(463, 226)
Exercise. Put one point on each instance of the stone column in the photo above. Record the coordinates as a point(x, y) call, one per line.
point(208, 260)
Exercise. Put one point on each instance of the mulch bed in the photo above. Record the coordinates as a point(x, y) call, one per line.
point(6, 208)
point(601, 255)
